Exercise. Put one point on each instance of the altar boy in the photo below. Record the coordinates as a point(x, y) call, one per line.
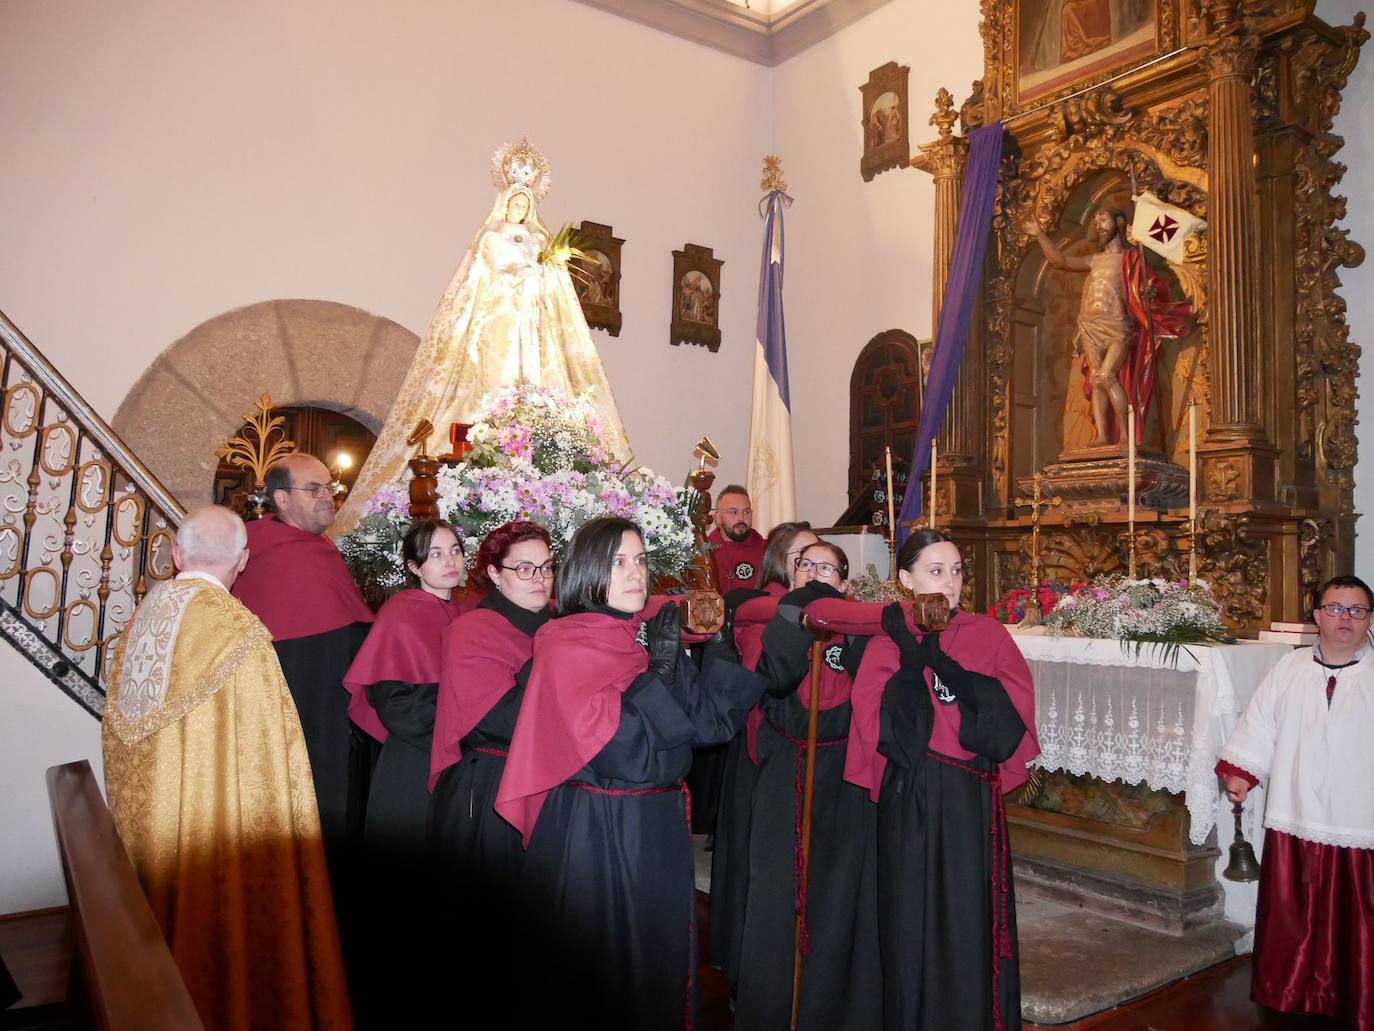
point(1306, 735)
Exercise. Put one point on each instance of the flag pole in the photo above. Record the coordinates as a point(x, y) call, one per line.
point(1149, 316)
point(808, 804)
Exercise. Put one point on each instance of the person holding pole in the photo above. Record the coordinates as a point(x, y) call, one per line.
point(943, 725)
point(829, 920)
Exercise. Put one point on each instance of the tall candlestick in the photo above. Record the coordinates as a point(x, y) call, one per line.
point(891, 520)
point(932, 483)
point(1130, 486)
point(1192, 489)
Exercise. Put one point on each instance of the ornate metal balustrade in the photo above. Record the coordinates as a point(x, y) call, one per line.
point(85, 528)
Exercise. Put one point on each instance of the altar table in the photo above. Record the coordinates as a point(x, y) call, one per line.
point(1105, 709)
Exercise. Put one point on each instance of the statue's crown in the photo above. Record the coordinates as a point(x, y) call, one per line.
point(521, 164)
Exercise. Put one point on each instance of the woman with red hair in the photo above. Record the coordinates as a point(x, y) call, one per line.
point(476, 854)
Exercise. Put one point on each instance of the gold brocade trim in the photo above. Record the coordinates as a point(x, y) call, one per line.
point(230, 620)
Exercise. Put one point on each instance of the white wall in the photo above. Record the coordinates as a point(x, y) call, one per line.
point(858, 254)
point(168, 161)
point(1358, 284)
point(42, 728)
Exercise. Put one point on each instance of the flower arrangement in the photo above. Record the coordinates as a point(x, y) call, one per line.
point(1165, 612)
point(869, 586)
point(1011, 607)
point(536, 454)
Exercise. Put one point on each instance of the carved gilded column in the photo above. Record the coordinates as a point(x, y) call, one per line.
point(944, 159)
point(1232, 231)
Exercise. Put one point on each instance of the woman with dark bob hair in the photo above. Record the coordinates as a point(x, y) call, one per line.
point(594, 784)
point(394, 681)
point(943, 726)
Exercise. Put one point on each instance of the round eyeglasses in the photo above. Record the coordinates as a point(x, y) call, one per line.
point(526, 570)
point(807, 565)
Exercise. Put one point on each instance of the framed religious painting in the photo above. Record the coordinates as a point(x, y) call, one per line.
point(1060, 46)
point(597, 280)
point(885, 122)
point(696, 298)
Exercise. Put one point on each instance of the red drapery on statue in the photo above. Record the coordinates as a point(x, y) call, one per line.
point(1166, 317)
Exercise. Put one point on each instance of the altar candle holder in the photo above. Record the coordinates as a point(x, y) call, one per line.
point(1130, 488)
point(891, 520)
point(931, 521)
point(1192, 490)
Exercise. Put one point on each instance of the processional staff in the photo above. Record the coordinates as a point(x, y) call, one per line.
point(813, 708)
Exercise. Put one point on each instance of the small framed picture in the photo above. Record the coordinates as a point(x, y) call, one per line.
point(598, 283)
point(885, 123)
point(696, 298)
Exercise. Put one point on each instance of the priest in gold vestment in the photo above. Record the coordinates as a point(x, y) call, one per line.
point(209, 785)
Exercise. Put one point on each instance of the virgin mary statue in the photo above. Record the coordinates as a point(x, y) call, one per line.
point(506, 317)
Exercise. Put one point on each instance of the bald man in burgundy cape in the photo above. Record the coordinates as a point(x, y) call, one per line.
point(298, 584)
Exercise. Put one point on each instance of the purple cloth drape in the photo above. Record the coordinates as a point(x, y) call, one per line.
point(965, 276)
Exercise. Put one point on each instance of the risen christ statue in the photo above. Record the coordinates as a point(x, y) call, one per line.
point(1103, 334)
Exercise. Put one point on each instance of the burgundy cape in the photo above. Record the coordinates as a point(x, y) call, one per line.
point(737, 562)
point(751, 619)
point(482, 653)
point(978, 643)
point(583, 663)
point(297, 583)
point(402, 645)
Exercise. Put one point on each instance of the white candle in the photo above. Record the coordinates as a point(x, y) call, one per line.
point(1130, 482)
point(1192, 489)
point(932, 483)
point(891, 517)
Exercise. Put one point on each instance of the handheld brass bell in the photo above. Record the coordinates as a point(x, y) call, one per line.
point(1243, 866)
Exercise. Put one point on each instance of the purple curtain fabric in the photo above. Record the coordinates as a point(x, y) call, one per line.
point(965, 276)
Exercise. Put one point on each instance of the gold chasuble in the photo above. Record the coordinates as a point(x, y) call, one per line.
point(209, 785)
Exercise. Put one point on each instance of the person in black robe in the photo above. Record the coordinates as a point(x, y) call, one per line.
point(841, 979)
point(298, 584)
point(942, 728)
point(487, 658)
point(730, 858)
point(594, 784)
point(394, 681)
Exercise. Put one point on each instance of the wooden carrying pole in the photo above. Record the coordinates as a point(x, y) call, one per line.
point(808, 803)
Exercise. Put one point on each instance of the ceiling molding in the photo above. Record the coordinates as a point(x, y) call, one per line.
point(728, 27)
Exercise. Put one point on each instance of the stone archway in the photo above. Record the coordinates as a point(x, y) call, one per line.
point(300, 352)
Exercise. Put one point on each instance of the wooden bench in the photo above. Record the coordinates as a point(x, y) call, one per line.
point(123, 967)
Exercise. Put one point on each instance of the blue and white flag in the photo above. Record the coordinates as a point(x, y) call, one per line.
point(772, 487)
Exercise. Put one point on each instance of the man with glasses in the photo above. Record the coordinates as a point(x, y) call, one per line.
point(737, 546)
point(298, 584)
point(1308, 736)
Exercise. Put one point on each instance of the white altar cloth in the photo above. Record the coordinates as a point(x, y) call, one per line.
point(1106, 710)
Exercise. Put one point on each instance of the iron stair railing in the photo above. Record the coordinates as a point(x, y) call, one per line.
point(85, 528)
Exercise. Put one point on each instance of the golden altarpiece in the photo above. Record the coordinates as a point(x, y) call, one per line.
point(1224, 109)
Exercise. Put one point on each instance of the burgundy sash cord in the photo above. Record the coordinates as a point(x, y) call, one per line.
point(1001, 863)
point(798, 865)
point(687, 807)
point(484, 750)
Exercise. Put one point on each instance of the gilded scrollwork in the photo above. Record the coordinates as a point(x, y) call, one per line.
point(1221, 481)
point(1180, 132)
point(1312, 552)
point(1235, 565)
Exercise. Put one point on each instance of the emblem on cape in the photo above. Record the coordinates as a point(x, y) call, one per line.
point(944, 694)
point(744, 571)
point(833, 656)
point(642, 636)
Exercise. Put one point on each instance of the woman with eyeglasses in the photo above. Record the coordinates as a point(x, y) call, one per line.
point(394, 681)
point(594, 784)
point(730, 857)
point(485, 669)
point(841, 984)
point(943, 725)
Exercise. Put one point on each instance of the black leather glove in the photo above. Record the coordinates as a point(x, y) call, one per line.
point(722, 646)
point(953, 679)
point(894, 625)
point(664, 636)
point(794, 602)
